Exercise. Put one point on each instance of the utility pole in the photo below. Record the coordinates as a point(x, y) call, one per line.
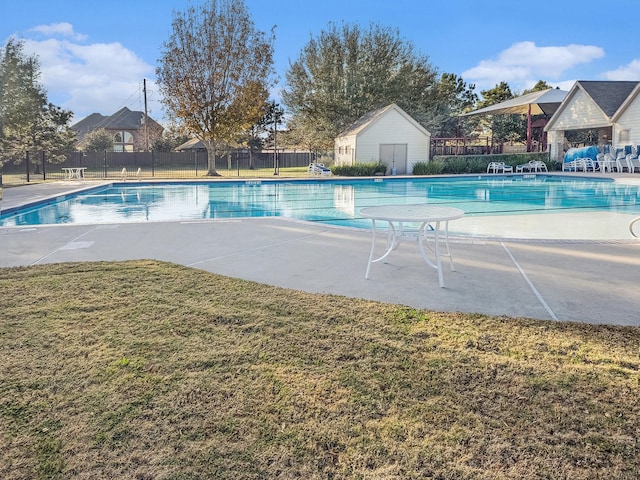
point(146, 117)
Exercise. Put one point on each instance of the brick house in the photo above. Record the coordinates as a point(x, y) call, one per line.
point(126, 127)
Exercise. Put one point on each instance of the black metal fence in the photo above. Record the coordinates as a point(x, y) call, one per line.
point(29, 167)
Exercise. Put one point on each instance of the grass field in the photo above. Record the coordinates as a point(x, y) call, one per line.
point(149, 370)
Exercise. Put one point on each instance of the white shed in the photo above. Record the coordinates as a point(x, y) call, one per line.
point(390, 135)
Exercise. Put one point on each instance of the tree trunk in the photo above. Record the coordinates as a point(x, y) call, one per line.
point(211, 159)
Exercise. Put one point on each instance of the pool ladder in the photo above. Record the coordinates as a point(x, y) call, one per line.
point(631, 224)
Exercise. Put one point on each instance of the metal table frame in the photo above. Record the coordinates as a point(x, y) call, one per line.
point(430, 218)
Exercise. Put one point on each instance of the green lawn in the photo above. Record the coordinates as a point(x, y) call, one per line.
point(149, 370)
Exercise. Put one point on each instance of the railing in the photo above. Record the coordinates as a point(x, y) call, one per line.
point(463, 146)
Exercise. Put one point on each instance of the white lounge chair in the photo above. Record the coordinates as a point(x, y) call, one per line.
point(574, 165)
point(318, 169)
point(533, 166)
point(607, 163)
point(499, 167)
point(633, 163)
point(588, 164)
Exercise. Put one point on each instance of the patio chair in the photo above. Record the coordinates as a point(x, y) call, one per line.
point(533, 166)
point(622, 164)
point(540, 166)
point(607, 163)
point(633, 162)
point(499, 167)
point(318, 169)
point(621, 160)
point(588, 164)
point(574, 165)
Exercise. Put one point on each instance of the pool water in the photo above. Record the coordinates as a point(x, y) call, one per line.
point(334, 201)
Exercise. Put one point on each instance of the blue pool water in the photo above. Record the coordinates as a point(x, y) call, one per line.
point(333, 201)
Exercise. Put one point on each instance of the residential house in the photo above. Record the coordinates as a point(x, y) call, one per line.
point(389, 135)
point(132, 131)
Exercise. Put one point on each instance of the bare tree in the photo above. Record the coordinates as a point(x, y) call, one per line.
point(215, 72)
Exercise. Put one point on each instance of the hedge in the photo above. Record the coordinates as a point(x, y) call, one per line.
point(448, 164)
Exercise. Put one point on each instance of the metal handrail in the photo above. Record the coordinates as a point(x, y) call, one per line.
point(631, 224)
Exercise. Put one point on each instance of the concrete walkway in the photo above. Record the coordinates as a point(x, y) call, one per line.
point(584, 281)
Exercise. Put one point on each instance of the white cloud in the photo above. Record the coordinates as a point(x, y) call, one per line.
point(626, 72)
point(88, 78)
point(62, 29)
point(524, 63)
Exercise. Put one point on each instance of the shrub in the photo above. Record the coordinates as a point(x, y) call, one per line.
point(360, 169)
point(428, 168)
point(478, 163)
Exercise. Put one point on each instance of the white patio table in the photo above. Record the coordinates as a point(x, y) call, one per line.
point(74, 172)
point(425, 215)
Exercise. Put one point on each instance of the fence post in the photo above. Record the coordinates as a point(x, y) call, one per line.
point(27, 164)
point(104, 163)
point(44, 168)
point(153, 163)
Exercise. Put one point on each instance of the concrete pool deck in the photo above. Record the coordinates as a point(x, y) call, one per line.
point(584, 280)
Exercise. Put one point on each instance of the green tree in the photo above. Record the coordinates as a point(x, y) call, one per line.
point(172, 137)
point(215, 72)
point(455, 97)
point(504, 128)
point(254, 139)
point(348, 71)
point(98, 140)
point(538, 87)
point(28, 122)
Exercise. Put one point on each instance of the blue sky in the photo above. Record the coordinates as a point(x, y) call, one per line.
point(94, 58)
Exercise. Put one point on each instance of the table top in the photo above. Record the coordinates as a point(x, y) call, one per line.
point(412, 213)
point(74, 168)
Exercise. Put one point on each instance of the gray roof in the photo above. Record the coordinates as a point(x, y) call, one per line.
point(123, 119)
point(608, 95)
point(88, 124)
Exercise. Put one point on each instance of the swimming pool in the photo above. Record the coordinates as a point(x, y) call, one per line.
point(329, 201)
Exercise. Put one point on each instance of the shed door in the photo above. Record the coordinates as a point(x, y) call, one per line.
point(394, 155)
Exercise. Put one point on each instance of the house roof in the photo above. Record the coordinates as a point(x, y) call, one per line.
point(88, 124)
point(608, 96)
point(123, 119)
point(193, 144)
point(370, 118)
point(628, 101)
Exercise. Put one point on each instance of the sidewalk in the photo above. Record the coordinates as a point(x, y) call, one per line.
point(585, 281)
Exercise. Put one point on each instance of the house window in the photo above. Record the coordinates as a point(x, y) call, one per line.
point(123, 142)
